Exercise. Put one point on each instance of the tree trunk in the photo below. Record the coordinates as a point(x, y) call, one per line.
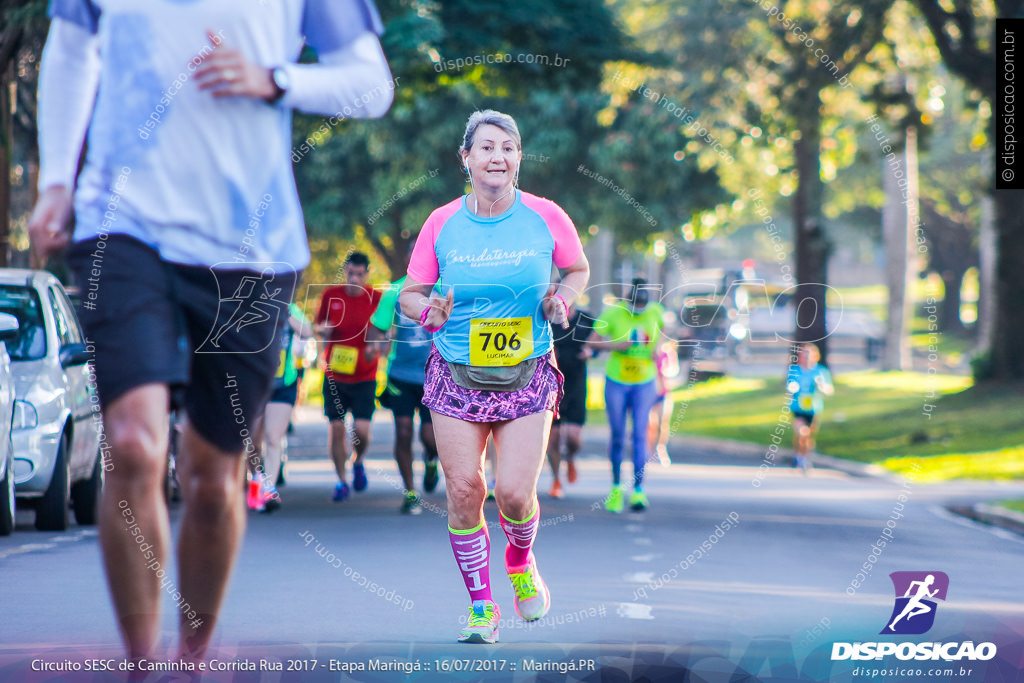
point(899, 219)
point(812, 248)
point(987, 259)
point(1007, 356)
point(949, 312)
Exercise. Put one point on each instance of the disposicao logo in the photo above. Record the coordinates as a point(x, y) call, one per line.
point(914, 614)
point(916, 595)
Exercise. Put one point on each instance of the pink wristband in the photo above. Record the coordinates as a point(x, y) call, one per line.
point(423, 321)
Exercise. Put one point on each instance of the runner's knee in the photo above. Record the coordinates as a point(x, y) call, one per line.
point(465, 494)
point(514, 502)
point(137, 453)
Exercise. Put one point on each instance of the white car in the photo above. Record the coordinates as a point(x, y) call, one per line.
point(8, 332)
point(57, 426)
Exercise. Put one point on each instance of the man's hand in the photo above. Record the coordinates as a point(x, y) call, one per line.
point(48, 225)
point(226, 72)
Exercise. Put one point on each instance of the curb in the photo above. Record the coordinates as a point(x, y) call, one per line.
point(745, 448)
point(992, 515)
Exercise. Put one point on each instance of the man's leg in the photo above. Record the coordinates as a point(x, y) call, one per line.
point(338, 444)
point(275, 418)
point(554, 449)
point(137, 427)
point(403, 450)
point(361, 439)
point(211, 532)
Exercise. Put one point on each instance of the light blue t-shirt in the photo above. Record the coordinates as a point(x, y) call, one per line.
point(499, 270)
point(807, 388)
point(203, 180)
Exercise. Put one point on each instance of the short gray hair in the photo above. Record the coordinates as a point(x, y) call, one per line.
point(494, 118)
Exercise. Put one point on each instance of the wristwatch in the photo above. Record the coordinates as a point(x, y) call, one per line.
point(281, 83)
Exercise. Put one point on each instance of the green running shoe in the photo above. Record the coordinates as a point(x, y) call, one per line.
point(613, 503)
point(430, 476)
point(483, 623)
point(638, 501)
point(411, 504)
point(533, 599)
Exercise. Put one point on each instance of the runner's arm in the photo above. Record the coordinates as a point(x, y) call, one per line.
point(68, 78)
point(351, 78)
point(415, 298)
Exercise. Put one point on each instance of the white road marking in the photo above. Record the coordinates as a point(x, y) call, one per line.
point(632, 610)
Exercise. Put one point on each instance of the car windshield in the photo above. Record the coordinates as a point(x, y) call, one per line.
point(22, 302)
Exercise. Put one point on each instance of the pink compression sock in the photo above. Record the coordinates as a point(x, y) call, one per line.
point(472, 548)
point(520, 537)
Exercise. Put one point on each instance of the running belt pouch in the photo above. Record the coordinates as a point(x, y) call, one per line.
point(480, 378)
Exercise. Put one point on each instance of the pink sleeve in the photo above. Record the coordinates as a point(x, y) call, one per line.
point(423, 266)
point(567, 241)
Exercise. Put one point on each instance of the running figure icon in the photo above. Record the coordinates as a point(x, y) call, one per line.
point(917, 594)
point(251, 305)
point(915, 606)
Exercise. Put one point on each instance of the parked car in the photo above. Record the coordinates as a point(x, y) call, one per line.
point(56, 430)
point(8, 331)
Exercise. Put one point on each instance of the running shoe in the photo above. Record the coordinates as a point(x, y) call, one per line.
point(662, 454)
point(556, 489)
point(271, 499)
point(490, 490)
point(482, 628)
point(411, 504)
point(638, 501)
point(613, 503)
point(533, 599)
point(341, 492)
point(254, 495)
point(359, 481)
point(430, 476)
point(573, 474)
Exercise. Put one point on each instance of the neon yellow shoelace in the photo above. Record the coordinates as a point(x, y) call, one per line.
point(523, 585)
point(481, 620)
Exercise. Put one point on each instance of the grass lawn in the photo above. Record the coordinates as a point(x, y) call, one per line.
point(876, 417)
point(1015, 505)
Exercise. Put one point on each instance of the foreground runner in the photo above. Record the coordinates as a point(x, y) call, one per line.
point(807, 381)
point(572, 353)
point(164, 209)
point(403, 395)
point(350, 368)
point(633, 330)
point(492, 372)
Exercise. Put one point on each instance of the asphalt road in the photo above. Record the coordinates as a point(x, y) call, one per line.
point(636, 595)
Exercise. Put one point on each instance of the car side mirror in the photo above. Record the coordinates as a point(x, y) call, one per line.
point(74, 354)
point(8, 327)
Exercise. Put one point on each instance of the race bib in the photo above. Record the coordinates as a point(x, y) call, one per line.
point(343, 359)
point(497, 342)
point(806, 403)
point(633, 370)
point(280, 365)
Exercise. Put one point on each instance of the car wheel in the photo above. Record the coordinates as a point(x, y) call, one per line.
point(85, 495)
point(7, 496)
point(52, 512)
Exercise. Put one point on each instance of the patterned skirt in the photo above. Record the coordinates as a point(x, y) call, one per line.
point(442, 395)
